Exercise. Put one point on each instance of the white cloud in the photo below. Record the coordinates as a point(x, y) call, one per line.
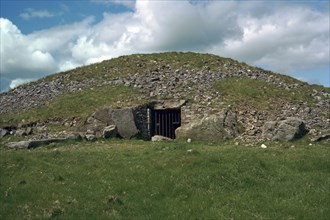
point(187, 26)
point(40, 53)
point(33, 13)
point(16, 82)
point(286, 37)
point(17, 58)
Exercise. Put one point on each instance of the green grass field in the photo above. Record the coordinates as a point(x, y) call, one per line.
point(120, 179)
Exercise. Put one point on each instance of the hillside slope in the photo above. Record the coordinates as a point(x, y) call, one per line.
point(207, 82)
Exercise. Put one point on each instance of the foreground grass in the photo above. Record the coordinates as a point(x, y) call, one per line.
point(143, 180)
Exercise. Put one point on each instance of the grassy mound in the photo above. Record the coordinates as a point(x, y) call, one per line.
point(78, 104)
point(259, 93)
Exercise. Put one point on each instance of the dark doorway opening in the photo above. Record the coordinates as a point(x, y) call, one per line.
point(165, 121)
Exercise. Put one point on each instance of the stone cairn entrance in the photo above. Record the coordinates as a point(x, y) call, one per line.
point(164, 122)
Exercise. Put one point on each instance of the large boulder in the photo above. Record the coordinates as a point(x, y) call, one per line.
point(284, 130)
point(123, 119)
point(216, 127)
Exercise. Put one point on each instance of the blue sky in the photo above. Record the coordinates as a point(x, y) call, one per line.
point(39, 38)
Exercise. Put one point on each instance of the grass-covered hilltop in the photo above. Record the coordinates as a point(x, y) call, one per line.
point(207, 83)
point(250, 144)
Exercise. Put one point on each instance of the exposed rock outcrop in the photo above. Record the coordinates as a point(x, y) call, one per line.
point(123, 119)
point(284, 130)
point(324, 136)
point(214, 127)
point(3, 132)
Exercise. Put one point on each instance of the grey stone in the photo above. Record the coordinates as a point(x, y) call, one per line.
point(89, 131)
point(90, 137)
point(33, 143)
point(4, 132)
point(74, 136)
point(284, 130)
point(322, 137)
point(214, 127)
point(122, 118)
point(110, 131)
point(157, 138)
point(125, 122)
point(21, 132)
point(18, 145)
point(29, 130)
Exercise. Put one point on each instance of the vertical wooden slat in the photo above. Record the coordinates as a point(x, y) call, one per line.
point(155, 122)
point(173, 128)
point(159, 122)
point(173, 124)
point(170, 124)
point(164, 123)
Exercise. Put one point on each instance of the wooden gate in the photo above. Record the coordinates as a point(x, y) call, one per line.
point(165, 121)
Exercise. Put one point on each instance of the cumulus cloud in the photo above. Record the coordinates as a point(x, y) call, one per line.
point(18, 58)
point(16, 82)
point(39, 53)
point(33, 13)
point(285, 38)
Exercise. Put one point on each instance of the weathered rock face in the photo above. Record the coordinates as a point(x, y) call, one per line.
point(74, 136)
point(24, 131)
point(4, 132)
point(90, 137)
point(33, 143)
point(285, 130)
point(158, 138)
point(110, 131)
point(322, 137)
point(123, 119)
point(215, 127)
